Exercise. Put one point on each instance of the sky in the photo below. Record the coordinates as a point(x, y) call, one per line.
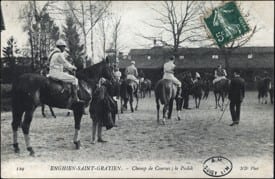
point(134, 14)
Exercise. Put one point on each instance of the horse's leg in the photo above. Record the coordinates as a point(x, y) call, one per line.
point(199, 102)
point(16, 121)
point(43, 110)
point(265, 98)
point(131, 102)
point(78, 112)
point(51, 109)
point(26, 127)
point(216, 100)
point(171, 102)
point(158, 106)
point(164, 113)
point(121, 105)
point(223, 96)
point(136, 95)
point(178, 107)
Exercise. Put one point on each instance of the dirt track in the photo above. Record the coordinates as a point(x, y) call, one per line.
point(197, 136)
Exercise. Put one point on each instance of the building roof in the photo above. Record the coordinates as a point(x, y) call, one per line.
point(263, 57)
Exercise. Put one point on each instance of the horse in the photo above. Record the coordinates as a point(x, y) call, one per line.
point(43, 111)
point(145, 87)
point(165, 92)
point(30, 90)
point(263, 86)
point(220, 92)
point(128, 90)
point(206, 85)
point(196, 90)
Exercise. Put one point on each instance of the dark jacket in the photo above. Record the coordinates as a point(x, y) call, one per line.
point(236, 89)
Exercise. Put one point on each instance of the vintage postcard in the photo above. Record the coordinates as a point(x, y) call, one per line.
point(137, 89)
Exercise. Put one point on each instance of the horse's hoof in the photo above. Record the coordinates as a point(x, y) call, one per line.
point(54, 116)
point(43, 115)
point(92, 141)
point(16, 148)
point(77, 144)
point(179, 119)
point(31, 151)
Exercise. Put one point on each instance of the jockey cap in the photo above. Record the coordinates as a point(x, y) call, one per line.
point(133, 62)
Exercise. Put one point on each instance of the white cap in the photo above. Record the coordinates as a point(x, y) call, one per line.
point(60, 42)
point(198, 75)
point(133, 62)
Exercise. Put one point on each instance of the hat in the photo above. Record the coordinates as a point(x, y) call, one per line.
point(219, 66)
point(133, 62)
point(61, 42)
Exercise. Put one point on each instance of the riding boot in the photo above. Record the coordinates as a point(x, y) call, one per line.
point(179, 93)
point(75, 95)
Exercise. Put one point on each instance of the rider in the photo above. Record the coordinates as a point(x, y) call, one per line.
point(57, 65)
point(168, 70)
point(219, 74)
point(117, 73)
point(131, 72)
point(197, 77)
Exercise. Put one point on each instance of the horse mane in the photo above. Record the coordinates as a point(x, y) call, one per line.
point(91, 72)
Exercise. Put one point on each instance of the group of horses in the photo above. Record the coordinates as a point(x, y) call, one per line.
point(31, 90)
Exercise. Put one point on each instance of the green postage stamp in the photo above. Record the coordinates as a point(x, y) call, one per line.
point(226, 23)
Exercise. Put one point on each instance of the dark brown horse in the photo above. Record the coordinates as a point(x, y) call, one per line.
point(220, 91)
point(165, 93)
point(145, 87)
point(128, 90)
point(30, 90)
point(264, 86)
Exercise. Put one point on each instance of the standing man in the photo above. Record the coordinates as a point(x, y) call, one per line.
point(236, 95)
point(168, 70)
point(57, 65)
point(131, 72)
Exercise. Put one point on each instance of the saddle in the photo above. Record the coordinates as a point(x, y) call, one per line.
point(65, 86)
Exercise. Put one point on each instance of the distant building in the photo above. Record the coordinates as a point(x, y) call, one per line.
point(251, 60)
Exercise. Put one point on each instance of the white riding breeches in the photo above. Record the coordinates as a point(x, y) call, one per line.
point(132, 77)
point(170, 76)
point(64, 77)
point(218, 79)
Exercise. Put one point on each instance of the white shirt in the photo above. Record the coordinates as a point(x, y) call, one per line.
point(58, 62)
point(169, 67)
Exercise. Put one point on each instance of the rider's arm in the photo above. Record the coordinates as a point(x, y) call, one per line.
point(65, 62)
point(225, 74)
point(215, 74)
point(136, 72)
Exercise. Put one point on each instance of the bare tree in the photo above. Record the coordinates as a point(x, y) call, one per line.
point(87, 16)
point(116, 32)
point(178, 21)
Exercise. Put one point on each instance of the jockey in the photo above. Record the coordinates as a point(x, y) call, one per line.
point(117, 73)
point(131, 72)
point(220, 74)
point(197, 77)
point(168, 70)
point(57, 65)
